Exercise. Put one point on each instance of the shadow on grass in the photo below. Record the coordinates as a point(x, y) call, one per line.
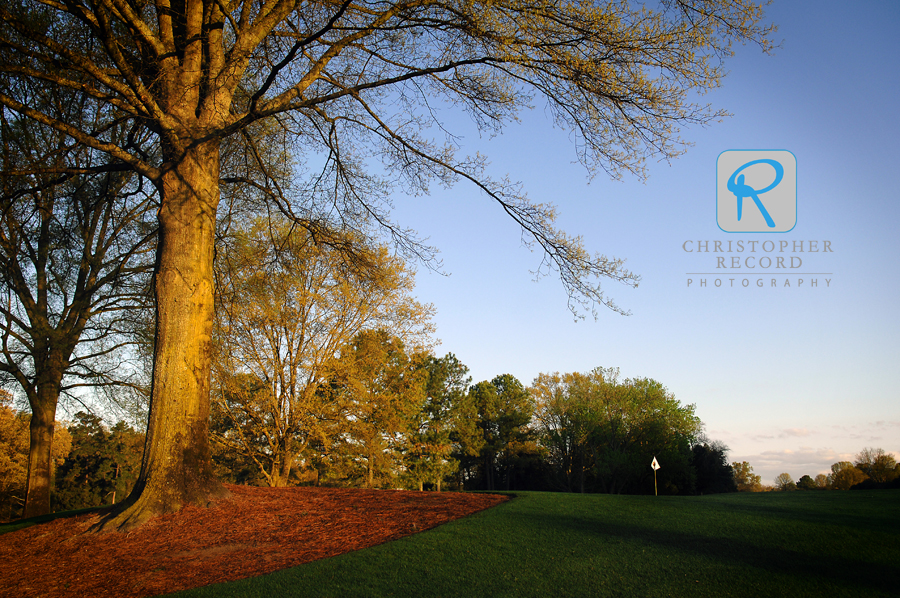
point(875, 510)
point(813, 556)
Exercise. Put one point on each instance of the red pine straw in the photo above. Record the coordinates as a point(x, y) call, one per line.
point(255, 531)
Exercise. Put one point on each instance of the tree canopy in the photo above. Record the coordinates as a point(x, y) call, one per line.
point(101, 467)
point(286, 307)
point(745, 479)
point(878, 465)
point(785, 482)
point(500, 412)
point(380, 388)
point(601, 432)
point(358, 82)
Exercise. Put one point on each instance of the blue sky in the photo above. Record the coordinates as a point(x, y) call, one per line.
point(791, 379)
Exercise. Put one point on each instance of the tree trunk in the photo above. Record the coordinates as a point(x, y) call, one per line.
point(287, 461)
point(581, 472)
point(177, 468)
point(281, 472)
point(43, 421)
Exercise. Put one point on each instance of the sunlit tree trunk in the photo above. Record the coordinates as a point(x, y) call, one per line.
point(287, 461)
point(281, 466)
point(177, 468)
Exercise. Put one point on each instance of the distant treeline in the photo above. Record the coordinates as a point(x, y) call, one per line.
point(873, 469)
point(391, 419)
point(388, 418)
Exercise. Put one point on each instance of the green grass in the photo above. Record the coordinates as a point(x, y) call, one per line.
point(822, 544)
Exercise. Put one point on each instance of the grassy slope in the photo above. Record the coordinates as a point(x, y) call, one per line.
point(539, 544)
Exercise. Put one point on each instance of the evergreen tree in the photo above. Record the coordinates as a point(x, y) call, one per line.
point(102, 466)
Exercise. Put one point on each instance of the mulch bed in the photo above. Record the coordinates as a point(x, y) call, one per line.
point(255, 531)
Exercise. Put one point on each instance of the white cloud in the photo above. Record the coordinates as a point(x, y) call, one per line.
point(798, 432)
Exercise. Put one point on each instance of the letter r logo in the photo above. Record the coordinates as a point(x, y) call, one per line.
point(756, 191)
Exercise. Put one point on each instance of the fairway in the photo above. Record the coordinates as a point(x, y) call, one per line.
point(543, 544)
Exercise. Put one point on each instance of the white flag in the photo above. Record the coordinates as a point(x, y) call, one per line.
point(655, 464)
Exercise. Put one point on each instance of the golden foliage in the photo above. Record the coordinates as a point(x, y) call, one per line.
point(286, 309)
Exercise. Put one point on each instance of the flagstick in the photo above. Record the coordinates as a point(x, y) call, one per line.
point(654, 484)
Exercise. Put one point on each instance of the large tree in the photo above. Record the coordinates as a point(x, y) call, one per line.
point(602, 432)
point(380, 387)
point(285, 308)
point(744, 478)
point(354, 82)
point(76, 251)
point(880, 466)
point(501, 411)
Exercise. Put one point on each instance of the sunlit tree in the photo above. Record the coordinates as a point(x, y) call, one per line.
point(286, 309)
point(746, 480)
point(845, 475)
point(612, 428)
point(380, 387)
point(14, 450)
point(567, 413)
point(501, 411)
point(77, 243)
point(428, 457)
point(355, 84)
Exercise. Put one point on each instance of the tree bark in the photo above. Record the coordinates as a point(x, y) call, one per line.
point(177, 468)
point(43, 422)
point(287, 461)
